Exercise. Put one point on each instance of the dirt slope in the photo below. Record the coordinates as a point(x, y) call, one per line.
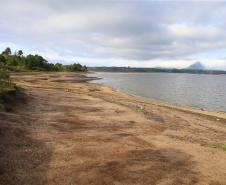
point(65, 131)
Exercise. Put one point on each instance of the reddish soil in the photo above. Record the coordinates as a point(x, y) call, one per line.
point(62, 130)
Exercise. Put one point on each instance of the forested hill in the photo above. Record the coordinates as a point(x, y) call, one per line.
point(16, 62)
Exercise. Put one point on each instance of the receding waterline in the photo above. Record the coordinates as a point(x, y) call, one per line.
point(192, 90)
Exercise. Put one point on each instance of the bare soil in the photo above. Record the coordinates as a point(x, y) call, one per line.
point(63, 130)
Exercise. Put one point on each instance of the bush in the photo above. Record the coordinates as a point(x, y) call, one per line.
point(5, 82)
point(4, 75)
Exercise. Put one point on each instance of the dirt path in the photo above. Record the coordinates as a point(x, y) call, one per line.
point(65, 131)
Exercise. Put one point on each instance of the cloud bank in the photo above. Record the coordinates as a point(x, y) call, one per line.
point(122, 32)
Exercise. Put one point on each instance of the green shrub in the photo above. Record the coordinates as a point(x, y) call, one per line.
point(5, 82)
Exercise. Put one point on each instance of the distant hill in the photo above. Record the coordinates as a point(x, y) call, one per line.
point(196, 66)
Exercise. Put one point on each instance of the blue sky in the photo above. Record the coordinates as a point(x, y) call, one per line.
point(117, 33)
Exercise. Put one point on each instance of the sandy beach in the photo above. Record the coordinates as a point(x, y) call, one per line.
point(63, 130)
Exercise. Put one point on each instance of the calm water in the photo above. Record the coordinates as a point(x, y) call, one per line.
point(199, 91)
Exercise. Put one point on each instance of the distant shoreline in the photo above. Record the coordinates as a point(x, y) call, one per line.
point(157, 72)
point(148, 70)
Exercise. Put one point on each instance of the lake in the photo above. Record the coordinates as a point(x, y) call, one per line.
point(192, 90)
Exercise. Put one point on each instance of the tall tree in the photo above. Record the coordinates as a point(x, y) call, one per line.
point(20, 52)
point(7, 51)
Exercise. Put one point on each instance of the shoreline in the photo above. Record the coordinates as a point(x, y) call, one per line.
point(85, 79)
point(64, 130)
point(160, 73)
point(201, 111)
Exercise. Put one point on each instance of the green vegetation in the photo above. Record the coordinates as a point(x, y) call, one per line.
point(5, 82)
point(5, 86)
point(18, 63)
point(223, 147)
point(135, 108)
point(121, 103)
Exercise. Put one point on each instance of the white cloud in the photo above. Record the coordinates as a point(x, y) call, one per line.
point(140, 33)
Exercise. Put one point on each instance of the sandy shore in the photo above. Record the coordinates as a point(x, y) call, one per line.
point(63, 130)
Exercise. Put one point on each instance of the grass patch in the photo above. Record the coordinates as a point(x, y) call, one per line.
point(135, 108)
point(121, 103)
point(214, 146)
point(223, 147)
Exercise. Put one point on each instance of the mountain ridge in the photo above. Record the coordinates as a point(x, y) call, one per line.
point(196, 66)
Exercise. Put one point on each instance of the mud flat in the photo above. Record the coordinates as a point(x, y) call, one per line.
point(63, 130)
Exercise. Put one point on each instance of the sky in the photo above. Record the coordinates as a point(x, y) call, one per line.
point(135, 33)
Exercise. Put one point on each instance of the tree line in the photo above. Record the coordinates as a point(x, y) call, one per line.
point(16, 62)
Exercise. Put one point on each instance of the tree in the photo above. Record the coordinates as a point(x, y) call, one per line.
point(58, 66)
point(12, 61)
point(74, 67)
point(84, 68)
point(29, 65)
point(23, 61)
point(20, 52)
point(7, 51)
point(29, 62)
point(2, 59)
point(39, 61)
